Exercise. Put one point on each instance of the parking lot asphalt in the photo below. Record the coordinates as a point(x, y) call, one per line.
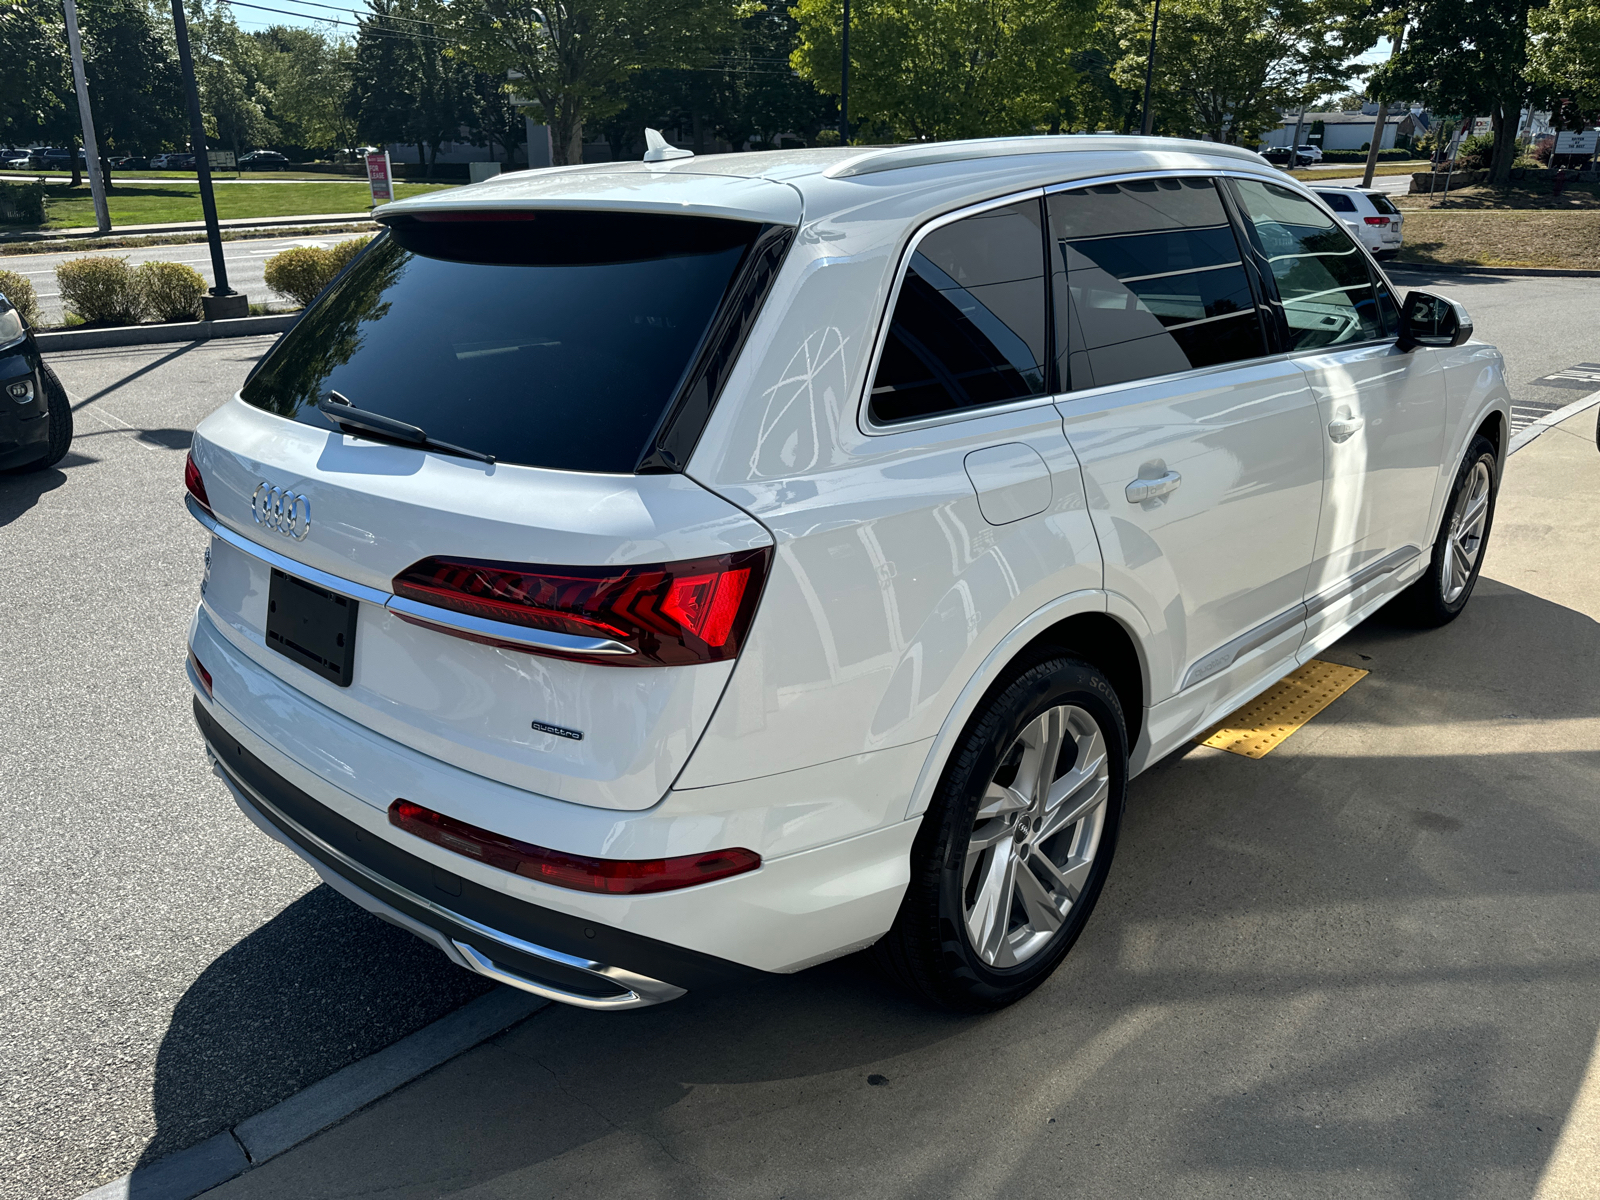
point(244, 259)
point(1371, 956)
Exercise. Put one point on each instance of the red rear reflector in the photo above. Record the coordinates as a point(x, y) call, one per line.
point(1376, 220)
point(613, 876)
point(671, 614)
point(195, 484)
point(201, 673)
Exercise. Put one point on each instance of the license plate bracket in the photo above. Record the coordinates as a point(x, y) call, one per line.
point(312, 626)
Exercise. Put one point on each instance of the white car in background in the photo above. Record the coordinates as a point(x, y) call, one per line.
point(1369, 214)
point(1311, 153)
point(632, 578)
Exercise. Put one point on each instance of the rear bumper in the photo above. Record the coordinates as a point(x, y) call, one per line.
point(548, 953)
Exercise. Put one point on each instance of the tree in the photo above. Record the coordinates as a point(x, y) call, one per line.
point(131, 66)
point(36, 83)
point(1564, 59)
point(937, 69)
point(1232, 67)
point(403, 86)
point(308, 76)
point(574, 56)
point(230, 72)
point(1466, 56)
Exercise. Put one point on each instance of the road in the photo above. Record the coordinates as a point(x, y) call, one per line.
point(244, 260)
point(1373, 955)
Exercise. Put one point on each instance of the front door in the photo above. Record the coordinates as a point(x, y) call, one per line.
point(1200, 450)
point(1381, 411)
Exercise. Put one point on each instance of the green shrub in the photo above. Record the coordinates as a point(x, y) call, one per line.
point(22, 203)
point(1360, 156)
point(1474, 152)
point(99, 288)
point(304, 271)
point(169, 291)
point(19, 291)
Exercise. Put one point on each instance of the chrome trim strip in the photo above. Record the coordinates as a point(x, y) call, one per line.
point(333, 583)
point(640, 990)
point(500, 631)
point(1387, 565)
point(444, 618)
point(1226, 655)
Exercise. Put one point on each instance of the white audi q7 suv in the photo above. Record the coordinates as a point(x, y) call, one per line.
point(634, 577)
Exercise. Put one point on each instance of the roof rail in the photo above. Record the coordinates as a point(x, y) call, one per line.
point(923, 154)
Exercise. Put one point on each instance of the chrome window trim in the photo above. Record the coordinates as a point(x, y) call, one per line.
point(638, 990)
point(864, 420)
point(447, 620)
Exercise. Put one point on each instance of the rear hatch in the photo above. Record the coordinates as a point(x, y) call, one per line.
point(553, 619)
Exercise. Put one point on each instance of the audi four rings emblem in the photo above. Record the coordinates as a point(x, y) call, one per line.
point(285, 512)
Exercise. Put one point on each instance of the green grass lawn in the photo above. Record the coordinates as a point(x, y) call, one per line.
point(216, 176)
point(69, 207)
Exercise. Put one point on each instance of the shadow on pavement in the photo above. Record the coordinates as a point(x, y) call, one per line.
point(1367, 964)
point(21, 490)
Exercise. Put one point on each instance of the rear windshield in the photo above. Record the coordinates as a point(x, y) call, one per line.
point(549, 339)
point(1381, 203)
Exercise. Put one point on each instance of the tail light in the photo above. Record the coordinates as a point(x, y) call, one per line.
point(612, 876)
point(670, 614)
point(200, 673)
point(195, 484)
point(1376, 220)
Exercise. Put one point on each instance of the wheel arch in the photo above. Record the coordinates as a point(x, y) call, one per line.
point(1493, 426)
point(1078, 624)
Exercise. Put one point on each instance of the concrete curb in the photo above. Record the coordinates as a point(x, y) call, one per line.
point(1535, 272)
point(254, 1140)
point(148, 335)
point(1550, 420)
point(89, 231)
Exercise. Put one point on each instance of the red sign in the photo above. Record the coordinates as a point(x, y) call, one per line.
point(378, 178)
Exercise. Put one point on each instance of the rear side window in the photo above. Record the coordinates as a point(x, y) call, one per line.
point(1338, 201)
point(1156, 282)
point(1382, 204)
point(553, 339)
point(1327, 293)
point(968, 328)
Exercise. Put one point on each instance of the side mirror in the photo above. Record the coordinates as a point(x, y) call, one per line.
point(1429, 320)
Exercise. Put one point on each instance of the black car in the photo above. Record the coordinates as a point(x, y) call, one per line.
point(57, 159)
point(263, 160)
point(1281, 156)
point(35, 416)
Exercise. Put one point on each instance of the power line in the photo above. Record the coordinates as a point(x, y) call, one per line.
point(371, 26)
point(354, 12)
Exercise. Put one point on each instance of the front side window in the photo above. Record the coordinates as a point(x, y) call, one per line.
point(1156, 282)
point(1327, 293)
point(968, 328)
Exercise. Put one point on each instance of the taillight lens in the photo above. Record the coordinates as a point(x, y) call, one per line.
point(195, 484)
point(203, 675)
point(1376, 220)
point(613, 876)
point(670, 614)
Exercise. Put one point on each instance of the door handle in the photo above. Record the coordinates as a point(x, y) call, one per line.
point(1342, 429)
point(1141, 490)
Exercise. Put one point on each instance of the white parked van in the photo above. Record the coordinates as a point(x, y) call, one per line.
point(633, 577)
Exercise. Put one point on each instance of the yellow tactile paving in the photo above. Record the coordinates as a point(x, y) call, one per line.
point(1285, 706)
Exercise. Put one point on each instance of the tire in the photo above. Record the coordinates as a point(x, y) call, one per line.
point(969, 936)
point(60, 418)
point(1438, 597)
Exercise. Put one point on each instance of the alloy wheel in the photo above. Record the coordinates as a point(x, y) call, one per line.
point(1035, 836)
point(1464, 541)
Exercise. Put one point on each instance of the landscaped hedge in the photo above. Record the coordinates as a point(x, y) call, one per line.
point(169, 291)
point(301, 273)
point(22, 203)
point(19, 291)
point(103, 289)
point(1360, 156)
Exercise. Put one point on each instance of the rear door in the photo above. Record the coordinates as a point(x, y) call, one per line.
point(553, 620)
point(1381, 411)
point(1199, 447)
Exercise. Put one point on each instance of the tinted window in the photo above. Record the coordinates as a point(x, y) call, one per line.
point(1327, 294)
point(969, 324)
point(1381, 203)
point(1338, 201)
point(1155, 280)
point(553, 340)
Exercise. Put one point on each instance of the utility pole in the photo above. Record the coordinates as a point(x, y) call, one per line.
point(1150, 70)
point(1294, 142)
point(844, 80)
point(91, 149)
point(1381, 119)
point(223, 300)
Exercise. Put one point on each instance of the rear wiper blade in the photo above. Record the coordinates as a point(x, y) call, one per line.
point(341, 412)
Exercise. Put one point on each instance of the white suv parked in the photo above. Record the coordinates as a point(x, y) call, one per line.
point(1370, 215)
point(633, 577)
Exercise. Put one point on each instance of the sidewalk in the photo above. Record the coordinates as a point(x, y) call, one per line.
point(1368, 964)
point(89, 231)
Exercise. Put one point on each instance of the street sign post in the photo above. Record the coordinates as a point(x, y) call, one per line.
point(378, 178)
